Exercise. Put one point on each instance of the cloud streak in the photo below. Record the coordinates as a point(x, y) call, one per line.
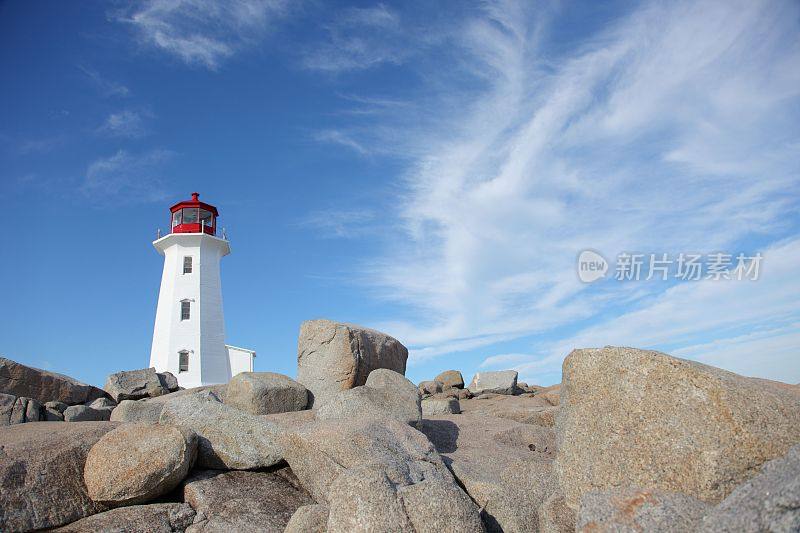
point(126, 178)
point(202, 32)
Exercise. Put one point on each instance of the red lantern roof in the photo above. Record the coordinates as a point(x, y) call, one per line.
point(190, 216)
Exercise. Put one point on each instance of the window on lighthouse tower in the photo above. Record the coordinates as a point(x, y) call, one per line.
point(185, 309)
point(183, 361)
point(187, 264)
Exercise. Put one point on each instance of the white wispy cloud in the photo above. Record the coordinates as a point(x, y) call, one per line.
point(340, 224)
point(341, 138)
point(126, 178)
point(360, 38)
point(125, 123)
point(202, 32)
point(675, 129)
point(105, 86)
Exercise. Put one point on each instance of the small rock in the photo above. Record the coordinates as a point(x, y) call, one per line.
point(135, 385)
point(169, 381)
point(427, 388)
point(440, 406)
point(498, 382)
point(229, 438)
point(632, 510)
point(309, 519)
point(332, 357)
point(41, 468)
point(263, 393)
point(7, 402)
point(136, 463)
point(53, 415)
point(386, 393)
point(102, 403)
point(450, 379)
point(84, 413)
point(149, 409)
point(153, 518)
point(56, 405)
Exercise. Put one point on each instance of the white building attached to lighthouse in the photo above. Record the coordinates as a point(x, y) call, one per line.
point(189, 333)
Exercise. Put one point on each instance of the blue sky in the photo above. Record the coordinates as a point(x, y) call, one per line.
point(431, 169)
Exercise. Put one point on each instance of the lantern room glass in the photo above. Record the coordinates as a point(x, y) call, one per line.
point(190, 215)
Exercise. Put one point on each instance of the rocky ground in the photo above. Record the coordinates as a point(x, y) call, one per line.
point(631, 440)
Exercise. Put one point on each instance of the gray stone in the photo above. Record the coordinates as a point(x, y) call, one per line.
point(263, 393)
point(19, 380)
point(20, 410)
point(228, 438)
point(309, 519)
point(7, 402)
point(33, 411)
point(633, 510)
point(56, 405)
point(633, 417)
point(333, 356)
point(137, 411)
point(135, 385)
point(149, 409)
point(450, 379)
point(153, 518)
point(103, 403)
point(245, 501)
point(53, 415)
point(386, 393)
point(770, 501)
point(505, 466)
point(84, 413)
point(136, 463)
point(169, 381)
point(41, 473)
point(427, 388)
point(440, 406)
point(319, 451)
point(498, 382)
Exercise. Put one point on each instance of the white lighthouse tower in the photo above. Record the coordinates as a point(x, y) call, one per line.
point(189, 333)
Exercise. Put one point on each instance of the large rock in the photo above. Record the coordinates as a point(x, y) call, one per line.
point(19, 380)
point(450, 379)
point(386, 393)
point(228, 438)
point(84, 413)
point(768, 502)
point(505, 466)
point(263, 393)
point(149, 409)
point(499, 382)
point(642, 418)
point(153, 518)
point(244, 501)
point(138, 384)
point(136, 463)
point(41, 473)
point(533, 410)
point(332, 357)
point(309, 519)
point(633, 510)
point(378, 474)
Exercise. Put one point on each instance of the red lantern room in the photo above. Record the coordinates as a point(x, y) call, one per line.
point(190, 216)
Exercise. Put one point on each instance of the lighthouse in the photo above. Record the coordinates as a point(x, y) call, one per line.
point(189, 332)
